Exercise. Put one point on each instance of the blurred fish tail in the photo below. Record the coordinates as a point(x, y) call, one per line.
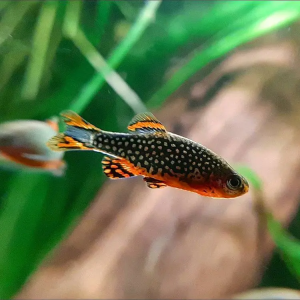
point(79, 134)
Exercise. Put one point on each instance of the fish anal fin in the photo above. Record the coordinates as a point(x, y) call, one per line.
point(146, 123)
point(73, 119)
point(154, 183)
point(116, 168)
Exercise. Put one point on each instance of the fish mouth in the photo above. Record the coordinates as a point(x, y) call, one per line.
point(246, 186)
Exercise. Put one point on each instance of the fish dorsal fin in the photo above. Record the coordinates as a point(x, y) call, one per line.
point(116, 168)
point(146, 123)
point(154, 183)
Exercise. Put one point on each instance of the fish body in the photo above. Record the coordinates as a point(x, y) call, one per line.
point(161, 157)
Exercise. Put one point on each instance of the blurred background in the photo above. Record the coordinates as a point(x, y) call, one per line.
point(223, 73)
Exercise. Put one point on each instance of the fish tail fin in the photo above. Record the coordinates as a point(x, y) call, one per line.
point(79, 134)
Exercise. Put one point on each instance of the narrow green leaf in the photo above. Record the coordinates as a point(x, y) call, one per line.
point(236, 35)
point(92, 87)
point(12, 17)
point(41, 40)
point(72, 18)
point(19, 221)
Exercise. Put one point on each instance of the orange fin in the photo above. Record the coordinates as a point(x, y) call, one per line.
point(154, 183)
point(79, 134)
point(73, 119)
point(146, 123)
point(116, 168)
point(62, 142)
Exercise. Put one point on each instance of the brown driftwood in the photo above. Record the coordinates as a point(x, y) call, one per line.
point(134, 242)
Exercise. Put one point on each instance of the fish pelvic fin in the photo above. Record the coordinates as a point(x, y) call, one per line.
point(79, 134)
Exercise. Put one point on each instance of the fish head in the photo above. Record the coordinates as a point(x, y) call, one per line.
point(23, 142)
point(229, 185)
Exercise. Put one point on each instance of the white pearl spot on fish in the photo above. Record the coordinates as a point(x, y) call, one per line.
point(165, 144)
point(173, 145)
point(159, 147)
point(146, 163)
point(146, 148)
point(129, 152)
point(114, 148)
point(126, 144)
point(131, 140)
point(169, 150)
point(178, 167)
point(141, 157)
point(162, 162)
point(156, 161)
point(172, 162)
point(140, 146)
point(153, 152)
point(152, 146)
point(133, 145)
point(132, 157)
point(112, 142)
point(158, 142)
point(120, 143)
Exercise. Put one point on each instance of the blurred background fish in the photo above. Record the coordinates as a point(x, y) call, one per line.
point(22, 145)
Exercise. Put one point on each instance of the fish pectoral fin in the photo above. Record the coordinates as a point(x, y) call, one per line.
point(146, 123)
point(116, 168)
point(154, 183)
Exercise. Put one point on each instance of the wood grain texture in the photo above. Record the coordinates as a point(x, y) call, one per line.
point(134, 242)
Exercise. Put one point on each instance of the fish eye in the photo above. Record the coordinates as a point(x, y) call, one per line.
point(234, 182)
